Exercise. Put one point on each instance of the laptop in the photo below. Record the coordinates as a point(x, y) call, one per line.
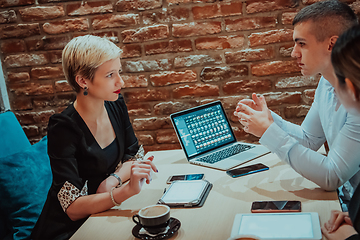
point(207, 139)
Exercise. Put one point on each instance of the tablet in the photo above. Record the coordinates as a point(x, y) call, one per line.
point(284, 226)
point(185, 192)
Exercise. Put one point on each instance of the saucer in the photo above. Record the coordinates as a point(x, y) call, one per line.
point(174, 226)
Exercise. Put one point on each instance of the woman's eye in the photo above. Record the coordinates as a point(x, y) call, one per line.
point(110, 75)
point(302, 44)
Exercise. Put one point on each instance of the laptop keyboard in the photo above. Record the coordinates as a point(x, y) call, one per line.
point(227, 152)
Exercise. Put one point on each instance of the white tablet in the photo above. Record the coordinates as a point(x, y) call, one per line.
point(284, 226)
point(184, 192)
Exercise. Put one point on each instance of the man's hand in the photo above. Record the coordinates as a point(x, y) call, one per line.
point(337, 218)
point(254, 115)
point(343, 232)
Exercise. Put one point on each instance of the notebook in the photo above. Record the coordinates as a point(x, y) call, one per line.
point(207, 139)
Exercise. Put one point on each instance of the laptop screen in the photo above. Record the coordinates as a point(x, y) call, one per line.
point(202, 128)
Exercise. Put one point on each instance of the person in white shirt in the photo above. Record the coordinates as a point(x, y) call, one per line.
point(316, 29)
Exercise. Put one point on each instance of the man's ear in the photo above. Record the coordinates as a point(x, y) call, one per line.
point(332, 42)
point(81, 81)
point(352, 90)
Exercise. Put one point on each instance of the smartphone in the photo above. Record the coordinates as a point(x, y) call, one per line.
point(197, 176)
point(275, 206)
point(237, 172)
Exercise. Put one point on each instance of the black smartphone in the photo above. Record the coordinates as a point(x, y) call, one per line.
point(197, 176)
point(237, 172)
point(275, 206)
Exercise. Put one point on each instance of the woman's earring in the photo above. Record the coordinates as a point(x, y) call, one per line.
point(85, 91)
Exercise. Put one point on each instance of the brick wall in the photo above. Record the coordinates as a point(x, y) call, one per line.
point(177, 54)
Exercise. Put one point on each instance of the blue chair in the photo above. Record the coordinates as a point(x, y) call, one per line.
point(25, 178)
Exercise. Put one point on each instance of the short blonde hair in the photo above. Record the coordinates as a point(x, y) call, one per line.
point(84, 54)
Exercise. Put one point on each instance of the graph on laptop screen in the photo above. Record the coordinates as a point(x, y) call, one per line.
point(203, 130)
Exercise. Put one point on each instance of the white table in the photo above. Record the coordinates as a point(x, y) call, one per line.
point(228, 197)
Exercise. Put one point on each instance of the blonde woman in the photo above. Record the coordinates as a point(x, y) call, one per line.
point(91, 144)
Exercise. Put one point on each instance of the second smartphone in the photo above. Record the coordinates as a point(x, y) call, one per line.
point(237, 172)
point(197, 176)
point(275, 206)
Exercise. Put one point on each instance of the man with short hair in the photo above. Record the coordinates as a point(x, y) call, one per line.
point(316, 29)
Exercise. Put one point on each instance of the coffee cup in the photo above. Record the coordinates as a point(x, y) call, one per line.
point(154, 218)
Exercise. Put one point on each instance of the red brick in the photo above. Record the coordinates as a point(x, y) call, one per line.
point(111, 35)
point(137, 109)
point(63, 86)
point(21, 104)
point(253, 6)
point(279, 98)
point(309, 96)
point(8, 16)
point(275, 67)
point(65, 26)
point(10, 3)
point(129, 5)
point(249, 55)
point(47, 72)
point(296, 111)
point(147, 66)
point(47, 43)
point(169, 78)
point(243, 86)
point(172, 2)
point(39, 13)
point(32, 89)
point(55, 56)
point(240, 24)
point(288, 17)
point(19, 30)
point(79, 9)
point(308, 2)
point(195, 29)
point(194, 60)
point(64, 99)
point(214, 74)
point(13, 46)
point(297, 81)
point(220, 42)
point(197, 90)
point(17, 76)
point(166, 15)
point(21, 60)
point(153, 123)
point(272, 36)
point(166, 136)
point(34, 117)
point(171, 46)
point(217, 10)
point(147, 95)
point(132, 81)
point(44, 101)
point(144, 34)
point(31, 131)
point(130, 50)
point(230, 102)
point(115, 21)
point(167, 108)
point(285, 50)
point(145, 139)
